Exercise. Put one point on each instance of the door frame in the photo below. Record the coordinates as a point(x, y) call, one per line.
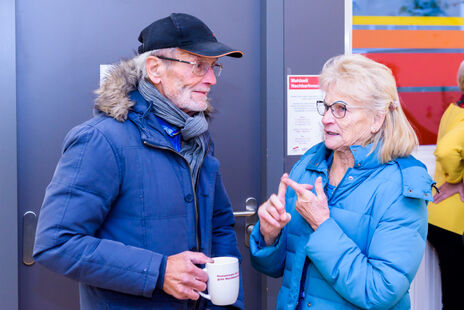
point(273, 143)
point(9, 289)
point(272, 97)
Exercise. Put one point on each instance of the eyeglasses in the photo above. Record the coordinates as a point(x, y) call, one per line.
point(199, 68)
point(338, 108)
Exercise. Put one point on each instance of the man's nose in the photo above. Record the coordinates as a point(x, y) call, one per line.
point(209, 77)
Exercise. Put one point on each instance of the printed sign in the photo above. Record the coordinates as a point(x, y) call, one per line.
point(304, 127)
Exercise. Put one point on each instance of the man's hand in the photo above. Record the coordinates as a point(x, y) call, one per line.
point(448, 190)
point(182, 278)
point(272, 215)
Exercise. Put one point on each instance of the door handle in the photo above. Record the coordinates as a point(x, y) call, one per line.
point(244, 213)
point(251, 207)
point(29, 225)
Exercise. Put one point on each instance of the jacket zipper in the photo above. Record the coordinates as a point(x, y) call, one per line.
point(191, 180)
point(197, 224)
point(198, 177)
point(196, 303)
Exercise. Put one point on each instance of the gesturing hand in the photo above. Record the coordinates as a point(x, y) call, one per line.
point(313, 208)
point(272, 214)
point(449, 189)
point(182, 278)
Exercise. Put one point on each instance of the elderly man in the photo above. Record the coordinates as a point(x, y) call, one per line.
point(137, 203)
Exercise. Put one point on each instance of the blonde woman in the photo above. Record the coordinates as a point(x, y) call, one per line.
point(347, 227)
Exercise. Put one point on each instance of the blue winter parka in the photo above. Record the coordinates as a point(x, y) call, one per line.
point(122, 200)
point(368, 252)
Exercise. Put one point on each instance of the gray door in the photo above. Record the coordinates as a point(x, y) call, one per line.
point(59, 48)
point(302, 36)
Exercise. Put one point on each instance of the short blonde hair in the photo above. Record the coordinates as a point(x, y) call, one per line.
point(373, 85)
point(460, 77)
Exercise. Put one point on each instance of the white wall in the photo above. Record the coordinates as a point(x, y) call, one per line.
point(426, 288)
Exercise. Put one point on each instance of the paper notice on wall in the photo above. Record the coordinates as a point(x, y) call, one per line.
point(304, 127)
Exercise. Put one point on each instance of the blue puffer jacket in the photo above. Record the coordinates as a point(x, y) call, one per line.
point(120, 200)
point(368, 252)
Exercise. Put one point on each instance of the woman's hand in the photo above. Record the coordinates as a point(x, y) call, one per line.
point(272, 214)
point(448, 190)
point(313, 208)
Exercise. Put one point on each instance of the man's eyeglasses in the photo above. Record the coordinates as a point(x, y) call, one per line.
point(199, 68)
point(338, 108)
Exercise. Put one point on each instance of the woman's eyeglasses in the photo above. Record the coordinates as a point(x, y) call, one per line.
point(338, 108)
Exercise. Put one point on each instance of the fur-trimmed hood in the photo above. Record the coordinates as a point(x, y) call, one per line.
point(112, 96)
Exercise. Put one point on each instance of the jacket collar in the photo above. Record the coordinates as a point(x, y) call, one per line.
point(416, 182)
point(150, 128)
point(364, 157)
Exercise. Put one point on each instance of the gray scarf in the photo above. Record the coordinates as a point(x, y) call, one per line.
point(192, 129)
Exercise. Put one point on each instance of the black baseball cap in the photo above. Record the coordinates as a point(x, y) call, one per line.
point(185, 32)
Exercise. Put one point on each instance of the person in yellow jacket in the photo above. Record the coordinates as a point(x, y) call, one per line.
point(446, 213)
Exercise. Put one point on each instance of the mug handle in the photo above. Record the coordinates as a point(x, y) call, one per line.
point(207, 296)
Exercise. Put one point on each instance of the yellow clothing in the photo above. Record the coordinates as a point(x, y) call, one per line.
point(449, 154)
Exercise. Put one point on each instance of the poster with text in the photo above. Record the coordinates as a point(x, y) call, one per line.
point(304, 127)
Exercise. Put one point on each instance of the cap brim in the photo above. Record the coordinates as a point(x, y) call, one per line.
point(211, 49)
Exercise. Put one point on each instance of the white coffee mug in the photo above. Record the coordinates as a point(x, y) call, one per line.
point(223, 280)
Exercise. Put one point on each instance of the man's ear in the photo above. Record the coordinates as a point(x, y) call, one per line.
point(154, 68)
point(379, 118)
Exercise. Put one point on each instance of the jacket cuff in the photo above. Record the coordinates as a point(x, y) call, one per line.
point(258, 239)
point(161, 272)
